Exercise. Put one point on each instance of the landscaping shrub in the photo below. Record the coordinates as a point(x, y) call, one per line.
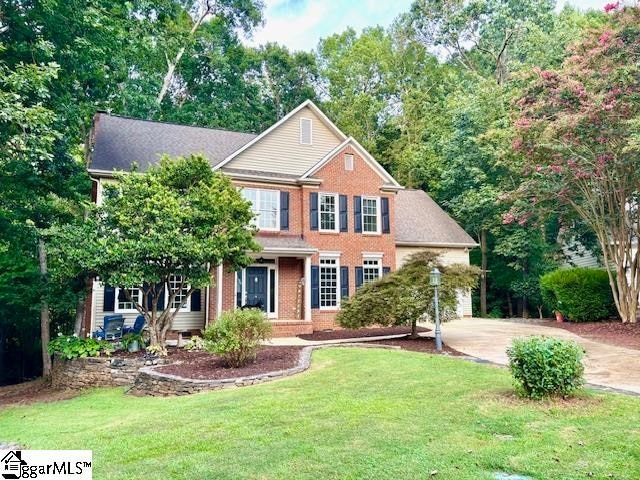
point(545, 366)
point(236, 335)
point(71, 346)
point(195, 344)
point(580, 294)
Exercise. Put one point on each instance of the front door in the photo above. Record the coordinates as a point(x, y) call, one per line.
point(257, 287)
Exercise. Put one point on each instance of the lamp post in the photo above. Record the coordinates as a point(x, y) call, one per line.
point(434, 280)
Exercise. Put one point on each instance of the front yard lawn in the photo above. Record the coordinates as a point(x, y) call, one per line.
point(357, 414)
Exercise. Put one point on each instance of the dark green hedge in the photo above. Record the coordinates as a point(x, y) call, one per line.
point(580, 294)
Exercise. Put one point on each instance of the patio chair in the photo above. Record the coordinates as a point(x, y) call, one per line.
point(138, 325)
point(112, 329)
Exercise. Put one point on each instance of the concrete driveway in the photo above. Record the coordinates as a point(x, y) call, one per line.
point(488, 339)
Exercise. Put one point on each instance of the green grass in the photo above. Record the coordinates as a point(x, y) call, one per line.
point(357, 414)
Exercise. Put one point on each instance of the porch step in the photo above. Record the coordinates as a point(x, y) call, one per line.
point(290, 328)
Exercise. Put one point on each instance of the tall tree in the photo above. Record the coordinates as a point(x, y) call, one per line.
point(579, 129)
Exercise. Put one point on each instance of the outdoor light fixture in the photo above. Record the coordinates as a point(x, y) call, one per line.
point(434, 279)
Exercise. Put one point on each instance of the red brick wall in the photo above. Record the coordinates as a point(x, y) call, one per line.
point(361, 181)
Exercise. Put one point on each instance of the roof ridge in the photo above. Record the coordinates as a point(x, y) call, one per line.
point(163, 122)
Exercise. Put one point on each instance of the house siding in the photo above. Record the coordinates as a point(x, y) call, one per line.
point(280, 150)
point(183, 321)
point(448, 256)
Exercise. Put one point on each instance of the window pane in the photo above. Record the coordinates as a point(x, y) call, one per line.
point(123, 299)
point(268, 208)
point(174, 284)
point(238, 288)
point(328, 282)
point(370, 270)
point(370, 215)
point(327, 212)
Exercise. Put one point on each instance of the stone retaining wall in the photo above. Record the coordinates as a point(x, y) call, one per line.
point(145, 379)
point(151, 382)
point(91, 372)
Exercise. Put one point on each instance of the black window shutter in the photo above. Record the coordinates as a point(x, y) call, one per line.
point(386, 227)
point(359, 277)
point(344, 282)
point(315, 286)
point(313, 210)
point(109, 301)
point(149, 300)
point(357, 214)
point(344, 218)
point(386, 270)
point(196, 300)
point(161, 296)
point(284, 211)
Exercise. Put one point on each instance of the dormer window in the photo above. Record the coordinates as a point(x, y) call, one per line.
point(306, 126)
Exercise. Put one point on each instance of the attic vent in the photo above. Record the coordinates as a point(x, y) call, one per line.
point(305, 131)
point(348, 161)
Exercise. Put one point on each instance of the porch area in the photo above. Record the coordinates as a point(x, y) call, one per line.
point(275, 282)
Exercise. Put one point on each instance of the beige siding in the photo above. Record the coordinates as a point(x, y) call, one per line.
point(580, 258)
point(183, 321)
point(449, 256)
point(280, 150)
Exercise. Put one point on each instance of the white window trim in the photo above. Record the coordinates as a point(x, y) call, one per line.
point(187, 306)
point(330, 256)
point(310, 130)
point(349, 162)
point(256, 208)
point(371, 257)
point(378, 215)
point(275, 266)
point(117, 309)
point(336, 200)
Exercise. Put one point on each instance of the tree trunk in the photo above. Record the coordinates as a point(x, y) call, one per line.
point(414, 329)
point(483, 273)
point(44, 313)
point(510, 304)
point(525, 307)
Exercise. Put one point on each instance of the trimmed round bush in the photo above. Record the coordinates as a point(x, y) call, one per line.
point(546, 366)
point(237, 334)
point(580, 294)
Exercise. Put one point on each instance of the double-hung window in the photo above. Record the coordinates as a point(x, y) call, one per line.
point(371, 214)
point(371, 270)
point(127, 298)
point(329, 283)
point(266, 205)
point(328, 204)
point(175, 282)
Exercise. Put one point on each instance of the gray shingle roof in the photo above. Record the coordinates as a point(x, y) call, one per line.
point(242, 171)
point(120, 141)
point(421, 222)
point(291, 242)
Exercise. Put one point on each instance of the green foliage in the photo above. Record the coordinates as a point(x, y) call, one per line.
point(71, 346)
point(545, 366)
point(403, 296)
point(129, 338)
point(195, 344)
point(237, 334)
point(157, 350)
point(580, 294)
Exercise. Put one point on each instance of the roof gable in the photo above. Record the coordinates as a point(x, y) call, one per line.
point(368, 158)
point(279, 148)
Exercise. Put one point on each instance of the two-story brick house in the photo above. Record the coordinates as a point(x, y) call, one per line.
point(326, 212)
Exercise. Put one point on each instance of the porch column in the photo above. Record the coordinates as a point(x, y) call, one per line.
point(307, 288)
point(219, 291)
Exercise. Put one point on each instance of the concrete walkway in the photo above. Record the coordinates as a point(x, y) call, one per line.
point(605, 365)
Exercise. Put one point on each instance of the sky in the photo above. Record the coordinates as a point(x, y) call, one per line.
point(300, 24)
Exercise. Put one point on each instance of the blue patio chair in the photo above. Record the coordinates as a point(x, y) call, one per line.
point(112, 329)
point(138, 325)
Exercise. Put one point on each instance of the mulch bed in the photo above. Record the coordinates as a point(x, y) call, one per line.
point(422, 344)
point(358, 333)
point(206, 366)
point(614, 333)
